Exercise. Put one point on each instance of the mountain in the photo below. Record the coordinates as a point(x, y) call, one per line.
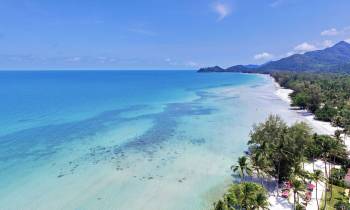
point(332, 59)
point(238, 68)
point(212, 69)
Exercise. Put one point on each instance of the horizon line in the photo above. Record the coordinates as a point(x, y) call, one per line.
point(7, 70)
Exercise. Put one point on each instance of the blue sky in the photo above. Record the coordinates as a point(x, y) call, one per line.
point(164, 34)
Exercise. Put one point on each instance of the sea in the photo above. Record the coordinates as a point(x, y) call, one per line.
point(126, 140)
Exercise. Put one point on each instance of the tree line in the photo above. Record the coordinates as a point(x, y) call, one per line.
point(325, 95)
point(278, 152)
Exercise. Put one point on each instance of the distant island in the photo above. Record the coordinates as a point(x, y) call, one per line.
point(335, 59)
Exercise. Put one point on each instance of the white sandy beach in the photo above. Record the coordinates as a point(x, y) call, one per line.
point(319, 127)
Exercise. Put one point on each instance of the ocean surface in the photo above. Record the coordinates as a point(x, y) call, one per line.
point(126, 140)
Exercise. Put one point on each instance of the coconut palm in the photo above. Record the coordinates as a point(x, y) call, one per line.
point(243, 167)
point(331, 149)
point(313, 151)
point(220, 205)
point(298, 171)
point(326, 145)
point(247, 195)
point(261, 201)
point(249, 189)
point(317, 176)
point(259, 163)
point(338, 151)
point(281, 154)
point(337, 134)
point(298, 187)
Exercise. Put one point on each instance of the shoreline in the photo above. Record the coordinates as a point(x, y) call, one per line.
point(319, 127)
point(325, 128)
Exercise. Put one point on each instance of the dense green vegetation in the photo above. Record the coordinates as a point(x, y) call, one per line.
point(245, 195)
point(278, 152)
point(277, 148)
point(326, 95)
point(338, 201)
point(337, 176)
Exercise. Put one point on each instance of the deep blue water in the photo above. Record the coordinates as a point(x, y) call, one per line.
point(31, 99)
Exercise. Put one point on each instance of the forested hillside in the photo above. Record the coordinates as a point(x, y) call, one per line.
point(326, 95)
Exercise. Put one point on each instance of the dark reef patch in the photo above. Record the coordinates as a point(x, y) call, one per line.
point(42, 142)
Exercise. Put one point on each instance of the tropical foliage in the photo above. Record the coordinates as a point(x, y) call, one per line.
point(246, 195)
point(278, 151)
point(317, 176)
point(326, 95)
point(281, 147)
point(243, 167)
point(337, 177)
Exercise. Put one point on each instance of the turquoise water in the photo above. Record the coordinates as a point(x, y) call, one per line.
point(124, 139)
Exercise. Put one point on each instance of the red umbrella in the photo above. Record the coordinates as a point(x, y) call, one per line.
point(285, 194)
point(310, 186)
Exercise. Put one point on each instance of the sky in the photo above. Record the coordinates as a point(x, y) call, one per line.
point(164, 34)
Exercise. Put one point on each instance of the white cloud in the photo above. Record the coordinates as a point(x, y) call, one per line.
point(74, 59)
point(171, 61)
point(347, 40)
point(336, 32)
point(222, 9)
point(263, 56)
point(305, 47)
point(289, 53)
point(327, 43)
point(330, 32)
point(192, 64)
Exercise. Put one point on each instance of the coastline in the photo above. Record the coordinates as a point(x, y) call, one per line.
point(319, 127)
point(293, 114)
point(186, 161)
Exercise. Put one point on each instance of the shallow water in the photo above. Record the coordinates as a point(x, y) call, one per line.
point(125, 140)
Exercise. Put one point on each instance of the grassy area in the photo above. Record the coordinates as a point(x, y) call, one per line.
point(331, 201)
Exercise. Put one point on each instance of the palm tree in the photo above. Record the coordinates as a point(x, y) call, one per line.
point(314, 150)
point(332, 149)
point(220, 205)
point(248, 189)
point(259, 163)
point(298, 171)
point(317, 176)
point(333, 153)
point(337, 134)
point(326, 145)
point(243, 167)
point(298, 187)
point(281, 154)
point(261, 201)
point(247, 195)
